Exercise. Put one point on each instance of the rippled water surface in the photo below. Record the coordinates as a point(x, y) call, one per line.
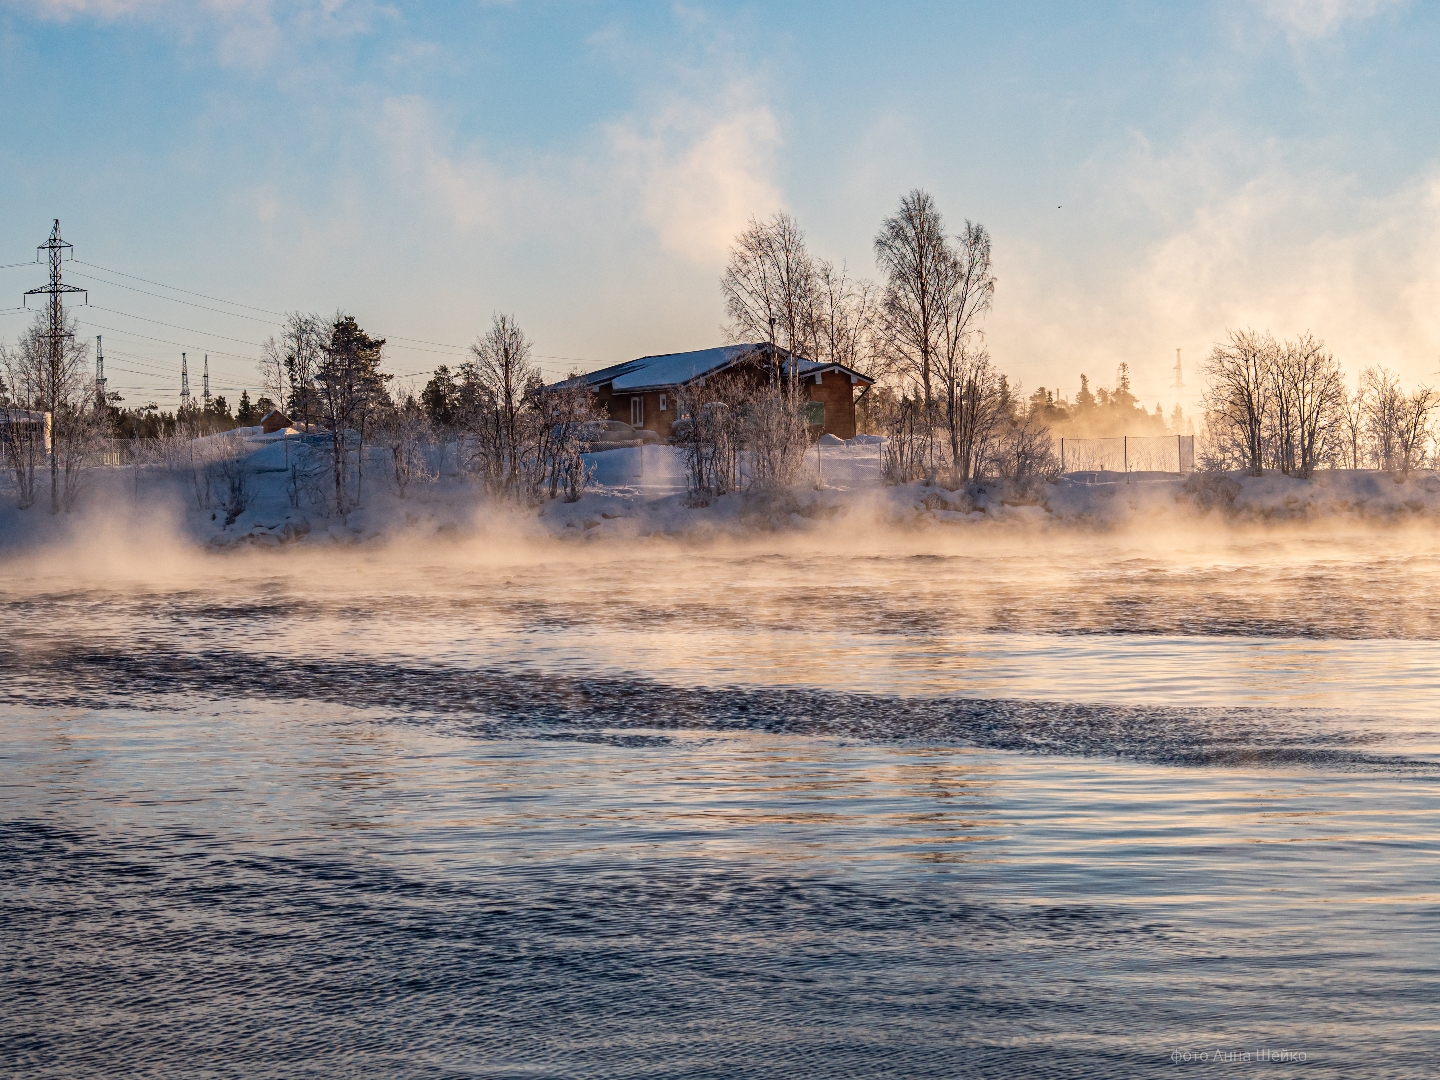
point(966, 804)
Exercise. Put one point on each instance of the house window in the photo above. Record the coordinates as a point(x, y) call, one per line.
point(662, 402)
point(637, 412)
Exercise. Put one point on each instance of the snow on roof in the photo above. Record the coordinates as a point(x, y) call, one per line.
point(668, 369)
point(673, 369)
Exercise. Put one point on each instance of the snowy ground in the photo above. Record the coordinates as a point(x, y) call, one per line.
point(640, 491)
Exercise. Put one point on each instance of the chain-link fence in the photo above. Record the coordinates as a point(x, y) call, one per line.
point(1129, 454)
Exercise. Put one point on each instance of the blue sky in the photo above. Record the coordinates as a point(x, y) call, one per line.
point(1151, 173)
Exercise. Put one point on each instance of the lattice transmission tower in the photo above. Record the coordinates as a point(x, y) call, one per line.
point(57, 337)
point(184, 382)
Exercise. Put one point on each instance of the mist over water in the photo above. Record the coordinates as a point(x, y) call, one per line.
point(1052, 804)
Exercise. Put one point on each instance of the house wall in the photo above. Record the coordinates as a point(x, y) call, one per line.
point(617, 407)
point(838, 395)
point(834, 390)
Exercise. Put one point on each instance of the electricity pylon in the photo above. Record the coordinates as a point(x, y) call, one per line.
point(57, 337)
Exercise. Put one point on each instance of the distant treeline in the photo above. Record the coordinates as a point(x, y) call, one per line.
point(150, 422)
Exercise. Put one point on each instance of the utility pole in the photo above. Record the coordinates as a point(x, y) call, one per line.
point(184, 383)
point(100, 399)
point(205, 384)
point(57, 338)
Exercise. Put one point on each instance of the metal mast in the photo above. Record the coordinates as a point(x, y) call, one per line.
point(1179, 386)
point(56, 338)
point(184, 382)
point(99, 372)
point(205, 383)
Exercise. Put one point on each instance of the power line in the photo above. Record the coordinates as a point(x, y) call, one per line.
point(166, 341)
point(173, 300)
point(174, 326)
point(176, 288)
point(278, 314)
point(152, 367)
point(441, 344)
point(232, 303)
point(393, 340)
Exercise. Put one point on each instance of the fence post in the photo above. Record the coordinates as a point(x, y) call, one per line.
point(1179, 459)
point(1125, 455)
point(1062, 457)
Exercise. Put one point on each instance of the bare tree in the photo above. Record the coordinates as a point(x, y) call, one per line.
point(290, 365)
point(772, 290)
point(769, 286)
point(776, 436)
point(711, 432)
point(1313, 388)
point(1384, 408)
point(1025, 449)
point(49, 376)
point(1413, 432)
point(407, 432)
point(904, 457)
point(974, 413)
point(966, 377)
point(1238, 393)
point(24, 429)
point(1279, 426)
point(1350, 428)
point(497, 385)
point(914, 254)
point(564, 413)
point(846, 314)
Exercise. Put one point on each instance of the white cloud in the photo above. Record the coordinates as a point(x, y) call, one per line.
point(701, 170)
point(469, 190)
point(692, 172)
point(1308, 20)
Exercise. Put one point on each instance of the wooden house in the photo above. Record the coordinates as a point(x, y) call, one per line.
point(641, 392)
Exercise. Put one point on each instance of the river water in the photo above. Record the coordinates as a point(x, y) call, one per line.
point(953, 804)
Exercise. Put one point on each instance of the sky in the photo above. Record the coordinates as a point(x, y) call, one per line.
point(1152, 174)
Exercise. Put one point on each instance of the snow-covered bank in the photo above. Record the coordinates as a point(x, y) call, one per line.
point(1104, 501)
point(639, 492)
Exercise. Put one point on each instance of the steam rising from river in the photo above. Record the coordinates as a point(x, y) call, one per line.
point(1183, 611)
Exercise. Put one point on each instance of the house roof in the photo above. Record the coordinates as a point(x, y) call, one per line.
point(676, 369)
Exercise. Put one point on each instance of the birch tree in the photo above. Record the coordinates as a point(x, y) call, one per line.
point(967, 379)
point(1316, 389)
point(1238, 393)
point(497, 382)
point(1384, 406)
point(1413, 434)
point(914, 254)
point(290, 364)
point(769, 286)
